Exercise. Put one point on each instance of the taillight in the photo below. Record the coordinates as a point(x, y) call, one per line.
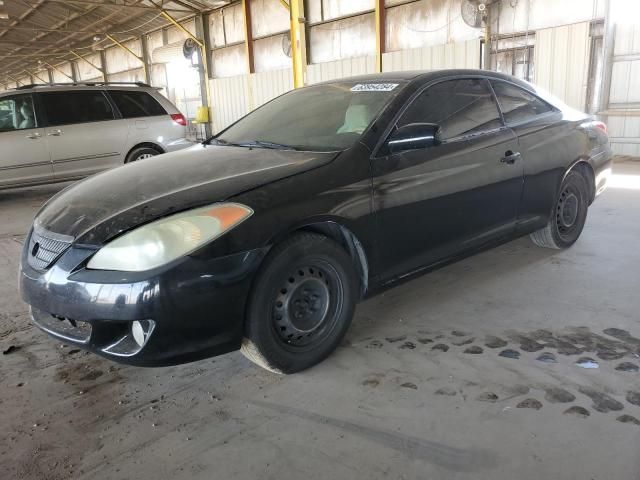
point(179, 119)
point(601, 125)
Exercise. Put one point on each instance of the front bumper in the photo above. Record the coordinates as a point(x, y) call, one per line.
point(196, 305)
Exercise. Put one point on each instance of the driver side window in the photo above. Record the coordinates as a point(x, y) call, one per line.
point(460, 107)
point(16, 113)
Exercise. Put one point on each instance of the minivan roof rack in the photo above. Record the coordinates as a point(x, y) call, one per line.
point(85, 84)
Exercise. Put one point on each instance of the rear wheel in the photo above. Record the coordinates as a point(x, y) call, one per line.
point(140, 154)
point(301, 304)
point(569, 214)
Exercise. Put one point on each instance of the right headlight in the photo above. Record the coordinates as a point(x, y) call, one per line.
point(167, 239)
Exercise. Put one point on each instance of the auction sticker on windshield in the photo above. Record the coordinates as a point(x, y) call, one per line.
point(374, 87)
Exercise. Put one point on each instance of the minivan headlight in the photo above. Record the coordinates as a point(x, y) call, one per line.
point(167, 239)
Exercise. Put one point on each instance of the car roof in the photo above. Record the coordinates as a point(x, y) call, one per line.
point(426, 75)
point(62, 87)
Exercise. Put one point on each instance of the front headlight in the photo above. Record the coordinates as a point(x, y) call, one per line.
point(162, 241)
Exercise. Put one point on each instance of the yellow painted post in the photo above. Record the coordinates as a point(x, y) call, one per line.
point(298, 42)
point(380, 15)
point(127, 49)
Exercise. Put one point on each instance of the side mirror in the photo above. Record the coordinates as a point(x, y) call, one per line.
point(414, 136)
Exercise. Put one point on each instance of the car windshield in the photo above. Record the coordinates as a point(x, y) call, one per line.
point(327, 117)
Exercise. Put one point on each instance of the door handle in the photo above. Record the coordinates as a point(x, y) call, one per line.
point(34, 136)
point(55, 133)
point(510, 157)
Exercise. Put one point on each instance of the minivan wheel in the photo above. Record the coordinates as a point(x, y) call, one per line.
point(301, 304)
point(568, 216)
point(140, 154)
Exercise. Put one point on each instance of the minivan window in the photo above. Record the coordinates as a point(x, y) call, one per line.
point(459, 107)
point(64, 108)
point(326, 117)
point(136, 104)
point(517, 104)
point(16, 113)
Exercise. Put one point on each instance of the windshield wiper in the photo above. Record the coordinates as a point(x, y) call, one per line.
point(265, 144)
point(252, 144)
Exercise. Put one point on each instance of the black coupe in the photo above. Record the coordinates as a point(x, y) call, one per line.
point(264, 237)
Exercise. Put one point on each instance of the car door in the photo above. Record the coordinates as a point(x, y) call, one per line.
point(546, 145)
point(83, 132)
point(435, 202)
point(25, 158)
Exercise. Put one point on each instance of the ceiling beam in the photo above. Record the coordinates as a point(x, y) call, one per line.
point(100, 22)
point(118, 5)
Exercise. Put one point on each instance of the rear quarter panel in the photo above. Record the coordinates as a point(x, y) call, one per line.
point(549, 147)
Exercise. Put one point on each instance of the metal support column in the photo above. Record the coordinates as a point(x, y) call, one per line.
point(204, 54)
point(144, 46)
point(608, 44)
point(298, 42)
point(381, 21)
point(486, 57)
point(248, 35)
point(103, 63)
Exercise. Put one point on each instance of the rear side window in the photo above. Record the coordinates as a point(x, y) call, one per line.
point(517, 104)
point(64, 108)
point(136, 104)
point(459, 107)
point(16, 113)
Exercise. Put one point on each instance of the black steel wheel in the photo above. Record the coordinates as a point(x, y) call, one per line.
point(569, 214)
point(301, 304)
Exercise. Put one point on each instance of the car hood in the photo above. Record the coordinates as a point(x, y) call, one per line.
point(102, 206)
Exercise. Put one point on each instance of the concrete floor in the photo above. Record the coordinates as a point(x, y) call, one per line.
point(390, 403)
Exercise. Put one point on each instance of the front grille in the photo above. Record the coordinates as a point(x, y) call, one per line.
point(45, 247)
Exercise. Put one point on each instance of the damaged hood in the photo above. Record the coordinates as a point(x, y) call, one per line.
point(102, 206)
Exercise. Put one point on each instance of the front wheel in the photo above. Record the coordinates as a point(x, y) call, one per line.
point(301, 304)
point(569, 215)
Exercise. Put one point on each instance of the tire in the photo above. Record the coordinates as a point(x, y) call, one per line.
point(141, 153)
point(301, 304)
point(569, 214)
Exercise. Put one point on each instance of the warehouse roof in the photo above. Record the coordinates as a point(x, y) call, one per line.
point(38, 31)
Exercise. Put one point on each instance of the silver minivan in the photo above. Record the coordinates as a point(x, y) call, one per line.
point(54, 133)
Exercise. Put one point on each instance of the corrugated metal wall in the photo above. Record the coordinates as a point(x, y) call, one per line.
point(562, 62)
point(624, 99)
point(451, 55)
point(234, 97)
point(349, 67)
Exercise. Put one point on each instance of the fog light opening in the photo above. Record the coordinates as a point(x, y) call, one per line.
point(141, 331)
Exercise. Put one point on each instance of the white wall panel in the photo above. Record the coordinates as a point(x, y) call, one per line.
point(230, 100)
point(624, 99)
point(268, 85)
point(562, 61)
point(451, 55)
point(86, 71)
point(135, 75)
point(348, 67)
point(234, 97)
point(174, 34)
point(119, 60)
point(59, 77)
